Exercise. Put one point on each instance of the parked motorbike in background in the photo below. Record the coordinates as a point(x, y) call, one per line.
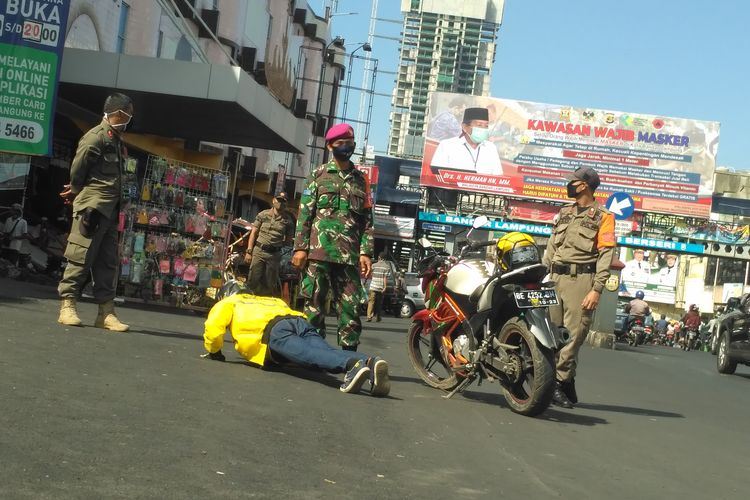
point(487, 321)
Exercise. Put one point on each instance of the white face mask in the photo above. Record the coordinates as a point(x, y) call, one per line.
point(120, 126)
point(479, 134)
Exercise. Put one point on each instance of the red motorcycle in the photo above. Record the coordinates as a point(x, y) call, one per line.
point(486, 320)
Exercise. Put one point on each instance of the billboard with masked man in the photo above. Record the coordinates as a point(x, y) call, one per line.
point(525, 150)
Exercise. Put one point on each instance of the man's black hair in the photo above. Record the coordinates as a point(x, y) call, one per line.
point(116, 102)
point(382, 255)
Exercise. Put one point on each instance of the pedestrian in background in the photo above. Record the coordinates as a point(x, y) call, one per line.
point(334, 242)
point(578, 256)
point(15, 233)
point(382, 273)
point(95, 190)
point(271, 231)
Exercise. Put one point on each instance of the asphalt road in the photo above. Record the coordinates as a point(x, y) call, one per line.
point(90, 414)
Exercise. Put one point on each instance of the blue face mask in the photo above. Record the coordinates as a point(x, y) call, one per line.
point(343, 152)
point(479, 134)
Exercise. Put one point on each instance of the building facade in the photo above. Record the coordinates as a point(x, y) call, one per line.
point(230, 82)
point(446, 46)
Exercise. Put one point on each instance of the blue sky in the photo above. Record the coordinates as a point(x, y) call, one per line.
point(679, 58)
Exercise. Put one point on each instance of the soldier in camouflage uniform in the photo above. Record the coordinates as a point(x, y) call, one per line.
point(578, 255)
point(272, 229)
point(95, 191)
point(334, 242)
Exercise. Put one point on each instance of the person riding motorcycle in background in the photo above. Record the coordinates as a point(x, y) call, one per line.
point(637, 308)
point(661, 325)
point(691, 321)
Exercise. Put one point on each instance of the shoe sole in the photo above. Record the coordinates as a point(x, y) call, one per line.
point(70, 324)
point(381, 384)
point(118, 330)
point(356, 384)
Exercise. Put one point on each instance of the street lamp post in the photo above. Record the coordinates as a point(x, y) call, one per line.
point(339, 42)
point(367, 48)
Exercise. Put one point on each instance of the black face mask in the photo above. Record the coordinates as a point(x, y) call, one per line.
point(343, 152)
point(572, 190)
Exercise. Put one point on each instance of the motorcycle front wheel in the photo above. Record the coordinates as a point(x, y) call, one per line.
point(532, 392)
point(427, 361)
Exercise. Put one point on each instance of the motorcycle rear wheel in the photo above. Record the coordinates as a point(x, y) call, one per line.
point(533, 393)
point(432, 369)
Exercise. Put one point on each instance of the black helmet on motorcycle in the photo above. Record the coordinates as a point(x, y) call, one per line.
point(639, 294)
point(693, 307)
point(516, 250)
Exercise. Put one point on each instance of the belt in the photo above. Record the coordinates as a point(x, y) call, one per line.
point(269, 248)
point(573, 269)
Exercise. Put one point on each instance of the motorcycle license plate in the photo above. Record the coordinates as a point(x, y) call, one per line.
point(536, 298)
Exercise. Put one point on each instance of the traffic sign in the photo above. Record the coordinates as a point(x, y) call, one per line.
point(443, 228)
point(621, 204)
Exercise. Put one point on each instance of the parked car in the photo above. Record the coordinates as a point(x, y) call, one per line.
point(734, 338)
point(730, 310)
point(414, 299)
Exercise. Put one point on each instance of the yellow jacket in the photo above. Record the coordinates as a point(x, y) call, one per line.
point(247, 316)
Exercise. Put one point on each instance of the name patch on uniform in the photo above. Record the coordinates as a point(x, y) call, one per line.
point(306, 192)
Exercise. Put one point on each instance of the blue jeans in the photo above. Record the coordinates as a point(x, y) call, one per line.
point(298, 341)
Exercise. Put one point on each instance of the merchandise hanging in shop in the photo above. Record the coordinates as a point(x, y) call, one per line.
point(175, 229)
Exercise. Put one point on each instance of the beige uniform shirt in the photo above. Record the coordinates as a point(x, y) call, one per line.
point(583, 237)
point(273, 230)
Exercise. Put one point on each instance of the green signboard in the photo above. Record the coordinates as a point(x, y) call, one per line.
point(32, 36)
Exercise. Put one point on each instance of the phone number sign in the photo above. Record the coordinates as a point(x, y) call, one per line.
point(32, 37)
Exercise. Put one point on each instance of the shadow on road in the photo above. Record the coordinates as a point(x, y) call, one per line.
point(314, 375)
point(4, 299)
point(551, 414)
point(415, 380)
point(369, 327)
point(168, 334)
point(571, 417)
point(630, 410)
point(22, 291)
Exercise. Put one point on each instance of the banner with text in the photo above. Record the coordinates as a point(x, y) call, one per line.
point(652, 272)
point(525, 149)
point(32, 37)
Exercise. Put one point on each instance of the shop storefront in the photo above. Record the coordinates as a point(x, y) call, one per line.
point(175, 223)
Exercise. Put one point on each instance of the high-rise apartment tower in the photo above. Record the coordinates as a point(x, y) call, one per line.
point(448, 46)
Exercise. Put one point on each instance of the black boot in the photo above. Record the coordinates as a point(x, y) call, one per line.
point(349, 348)
point(559, 398)
point(569, 388)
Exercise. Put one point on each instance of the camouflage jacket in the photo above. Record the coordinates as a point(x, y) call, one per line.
point(335, 216)
point(96, 171)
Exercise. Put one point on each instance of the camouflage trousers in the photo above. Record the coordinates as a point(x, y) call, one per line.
point(347, 295)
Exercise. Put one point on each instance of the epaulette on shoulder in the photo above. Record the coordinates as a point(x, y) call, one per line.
point(320, 170)
point(568, 208)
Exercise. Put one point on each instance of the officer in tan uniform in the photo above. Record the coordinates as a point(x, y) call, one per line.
point(95, 191)
point(272, 229)
point(578, 256)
